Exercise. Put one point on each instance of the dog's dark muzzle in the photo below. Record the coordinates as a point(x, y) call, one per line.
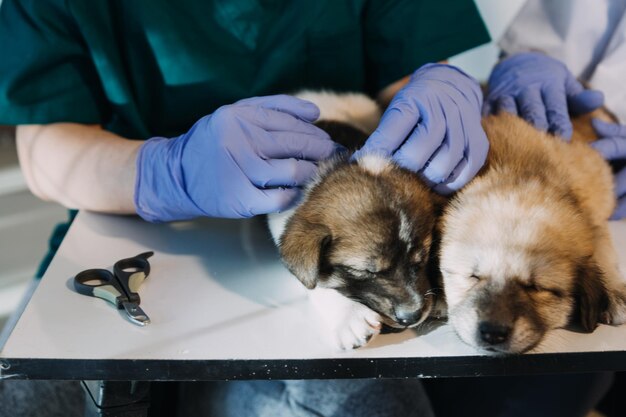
point(407, 318)
point(491, 333)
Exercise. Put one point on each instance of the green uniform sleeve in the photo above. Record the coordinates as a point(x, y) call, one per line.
point(45, 73)
point(402, 35)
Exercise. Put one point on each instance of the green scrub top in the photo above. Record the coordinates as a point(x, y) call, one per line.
point(152, 68)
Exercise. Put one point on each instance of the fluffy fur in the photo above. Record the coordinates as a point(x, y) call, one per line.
point(361, 237)
point(525, 246)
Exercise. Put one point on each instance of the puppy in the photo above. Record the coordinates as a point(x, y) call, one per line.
point(361, 236)
point(525, 246)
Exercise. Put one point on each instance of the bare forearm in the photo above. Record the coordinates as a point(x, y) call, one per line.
point(79, 166)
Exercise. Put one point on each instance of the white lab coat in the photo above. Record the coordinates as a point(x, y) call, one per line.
point(589, 36)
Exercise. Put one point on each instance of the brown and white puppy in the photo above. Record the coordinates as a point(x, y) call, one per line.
point(525, 246)
point(360, 239)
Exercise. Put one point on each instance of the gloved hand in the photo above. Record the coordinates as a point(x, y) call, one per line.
point(245, 159)
point(432, 126)
point(612, 145)
point(541, 90)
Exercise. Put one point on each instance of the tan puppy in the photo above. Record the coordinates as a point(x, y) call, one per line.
point(361, 237)
point(525, 245)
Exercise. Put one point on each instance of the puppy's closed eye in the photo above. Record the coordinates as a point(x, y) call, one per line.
point(356, 273)
point(534, 288)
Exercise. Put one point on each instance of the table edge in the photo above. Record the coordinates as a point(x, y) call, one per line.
point(326, 368)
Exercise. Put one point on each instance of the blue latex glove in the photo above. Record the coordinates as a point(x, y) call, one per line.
point(541, 90)
point(612, 145)
point(432, 126)
point(245, 159)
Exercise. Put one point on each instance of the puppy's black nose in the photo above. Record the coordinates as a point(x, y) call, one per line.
point(493, 333)
point(408, 317)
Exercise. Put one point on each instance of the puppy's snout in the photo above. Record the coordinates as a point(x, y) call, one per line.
point(493, 333)
point(407, 317)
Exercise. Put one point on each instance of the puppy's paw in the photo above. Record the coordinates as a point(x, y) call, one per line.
point(357, 328)
point(345, 323)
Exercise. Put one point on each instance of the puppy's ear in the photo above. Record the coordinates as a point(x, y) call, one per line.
point(303, 246)
point(591, 296)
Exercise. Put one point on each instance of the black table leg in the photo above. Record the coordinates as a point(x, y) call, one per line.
point(116, 398)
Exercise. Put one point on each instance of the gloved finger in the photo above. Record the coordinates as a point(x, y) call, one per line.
point(556, 108)
point(611, 148)
point(279, 172)
point(449, 154)
point(579, 100)
point(573, 87)
point(620, 210)
point(448, 187)
point(531, 108)
point(422, 143)
point(506, 104)
point(271, 200)
point(302, 109)
point(605, 129)
point(395, 126)
point(277, 121)
point(442, 163)
point(283, 145)
point(271, 172)
point(585, 102)
point(469, 166)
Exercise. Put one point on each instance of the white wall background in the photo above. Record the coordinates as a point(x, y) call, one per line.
point(497, 14)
